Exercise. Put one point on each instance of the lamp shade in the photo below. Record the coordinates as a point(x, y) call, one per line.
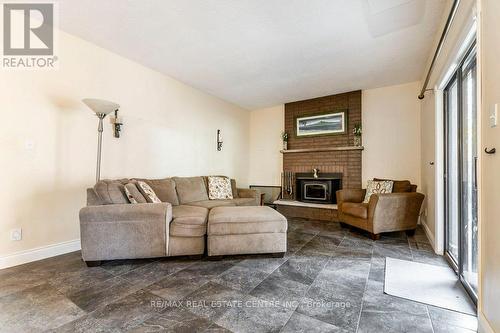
point(100, 106)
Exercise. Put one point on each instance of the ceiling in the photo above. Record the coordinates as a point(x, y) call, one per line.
point(258, 53)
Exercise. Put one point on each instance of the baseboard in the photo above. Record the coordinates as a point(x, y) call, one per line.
point(23, 257)
point(429, 235)
point(483, 324)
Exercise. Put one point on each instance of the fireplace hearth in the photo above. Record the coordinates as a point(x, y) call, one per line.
point(320, 189)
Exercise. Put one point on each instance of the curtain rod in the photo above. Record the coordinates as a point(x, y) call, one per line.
point(447, 26)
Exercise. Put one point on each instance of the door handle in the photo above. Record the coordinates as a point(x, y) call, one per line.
point(490, 151)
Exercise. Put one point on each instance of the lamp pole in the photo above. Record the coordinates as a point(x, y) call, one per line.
point(99, 145)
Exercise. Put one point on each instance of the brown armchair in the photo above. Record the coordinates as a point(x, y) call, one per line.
point(397, 211)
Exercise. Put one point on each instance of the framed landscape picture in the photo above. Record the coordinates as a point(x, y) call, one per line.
point(322, 124)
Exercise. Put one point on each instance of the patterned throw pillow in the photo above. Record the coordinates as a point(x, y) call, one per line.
point(130, 197)
point(133, 194)
point(147, 192)
point(375, 187)
point(219, 188)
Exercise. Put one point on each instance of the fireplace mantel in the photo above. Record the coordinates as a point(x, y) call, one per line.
point(316, 150)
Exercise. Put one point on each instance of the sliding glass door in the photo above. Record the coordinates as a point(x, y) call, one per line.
point(461, 173)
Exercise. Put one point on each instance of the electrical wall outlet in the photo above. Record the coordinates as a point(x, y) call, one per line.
point(16, 234)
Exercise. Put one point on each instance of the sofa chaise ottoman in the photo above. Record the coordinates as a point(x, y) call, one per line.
point(246, 230)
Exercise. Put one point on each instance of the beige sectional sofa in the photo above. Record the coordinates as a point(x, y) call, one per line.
point(112, 228)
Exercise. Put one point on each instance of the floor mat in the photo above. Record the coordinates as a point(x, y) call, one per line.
point(429, 284)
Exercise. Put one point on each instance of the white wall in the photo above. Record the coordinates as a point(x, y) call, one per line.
point(266, 126)
point(170, 129)
point(391, 133)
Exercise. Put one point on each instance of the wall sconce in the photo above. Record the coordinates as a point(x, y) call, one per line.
point(219, 140)
point(116, 123)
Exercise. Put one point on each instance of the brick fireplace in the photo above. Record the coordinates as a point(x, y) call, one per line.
point(331, 154)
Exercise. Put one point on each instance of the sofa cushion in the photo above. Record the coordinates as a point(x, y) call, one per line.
point(190, 189)
point(133, 194)
point(400, 186)
point(219, 188)
point(212, 203)
point(188, 221)
point(244, 202)
point(359, 210)
point(111, 191)
point(245, 220)
point(164, 189)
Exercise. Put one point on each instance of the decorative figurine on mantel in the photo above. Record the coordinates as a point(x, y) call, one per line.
point(315, 173)
point(357, 131)
point(284, 137)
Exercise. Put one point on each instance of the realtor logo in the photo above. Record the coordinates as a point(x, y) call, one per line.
point(28, 36)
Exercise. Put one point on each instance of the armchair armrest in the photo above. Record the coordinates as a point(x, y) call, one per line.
point(125, 231)
point(394, 211)
point(250, 193)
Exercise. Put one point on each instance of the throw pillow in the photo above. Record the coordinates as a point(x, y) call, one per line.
point(219, 188)
point(133, 194)
point(377, 187)
point(147, 192)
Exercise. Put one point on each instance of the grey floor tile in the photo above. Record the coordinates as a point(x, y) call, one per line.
point(397, 251)
point(173, 320)
point(101, 294)
point(352, 253)
point(173, 288)
point(153, 272)
point(205, 270)
point(69, 282)
point(276, 288)
point(214, 328)
point(443, 318)
point(321, 245)
point(128, 312)
point(299, 323)
point(119, 267)
point(428, 257)
point(340, 310)
point(212, 300)
point(302, 269)
point(420, 246)
point(357, 242)
point(255, 316)
point(395, 321)
point(36, 309)
point(241, 278)
point(83, 325)
point(266, 265)
point(377, 270)
point(346, 278)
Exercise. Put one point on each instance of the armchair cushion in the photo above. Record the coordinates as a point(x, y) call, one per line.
point(400, 186)
point(359, 210)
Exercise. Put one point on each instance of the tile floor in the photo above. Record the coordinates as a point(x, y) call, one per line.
point(331, 280)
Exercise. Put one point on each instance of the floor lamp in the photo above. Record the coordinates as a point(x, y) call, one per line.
point(101, 108)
